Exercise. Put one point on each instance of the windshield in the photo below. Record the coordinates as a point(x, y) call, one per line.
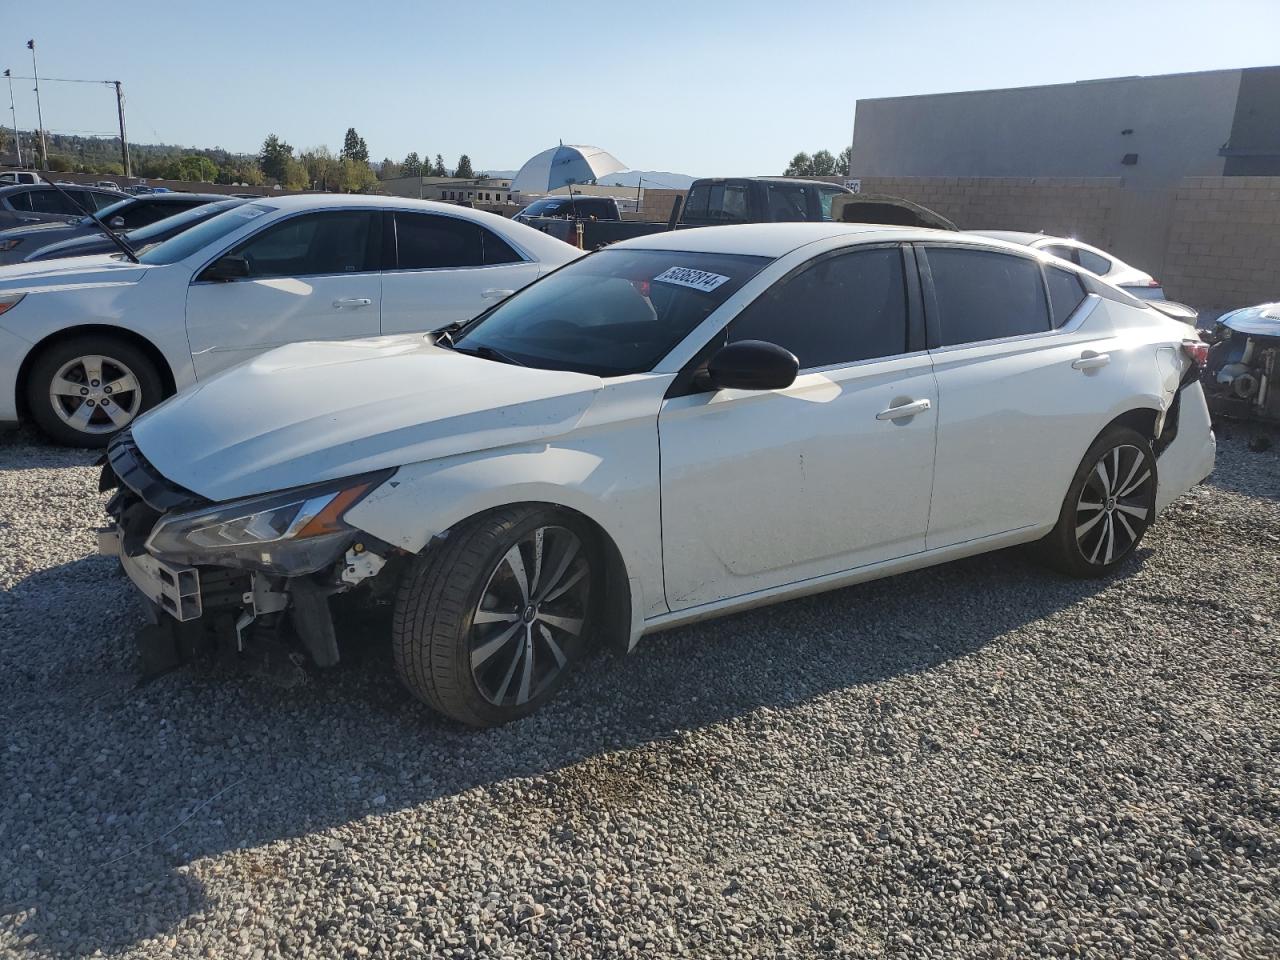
point(200, 236)
point(612, 313)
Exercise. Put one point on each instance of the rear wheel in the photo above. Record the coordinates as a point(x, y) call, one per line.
point(490, 621)
point(83, 390)
point(1108, 507)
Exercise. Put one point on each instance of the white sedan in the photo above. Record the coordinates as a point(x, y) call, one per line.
point(672, 428)
point(1098, 262)
point(87, 344)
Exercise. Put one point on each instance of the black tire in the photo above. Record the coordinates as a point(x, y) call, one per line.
point(1097, 529)
point(435, 636)
point(119, 360)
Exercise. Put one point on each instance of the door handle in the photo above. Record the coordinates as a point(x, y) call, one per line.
point(495, 294)
point(352, 302)
point(1091, 361)
point(904, 410)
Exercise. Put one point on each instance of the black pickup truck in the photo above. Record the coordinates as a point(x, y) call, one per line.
point(717, 201)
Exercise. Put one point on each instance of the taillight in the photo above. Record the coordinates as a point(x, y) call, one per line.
point(1197, 350)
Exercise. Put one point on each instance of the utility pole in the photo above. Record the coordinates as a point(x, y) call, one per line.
point(124, 137)
point(17, 137)
point(44, 146)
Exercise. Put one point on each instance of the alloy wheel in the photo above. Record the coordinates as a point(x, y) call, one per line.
point(531, 614)
point(95, 394)
point(1115, 505)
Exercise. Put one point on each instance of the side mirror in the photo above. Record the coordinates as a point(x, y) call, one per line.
point(752, 365)
point(230, 267)
point(115, 223)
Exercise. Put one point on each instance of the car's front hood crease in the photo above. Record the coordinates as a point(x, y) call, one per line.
point(309, 412)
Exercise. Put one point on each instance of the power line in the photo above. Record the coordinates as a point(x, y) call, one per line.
point(64, 80)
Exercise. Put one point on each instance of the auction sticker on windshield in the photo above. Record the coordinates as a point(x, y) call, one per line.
point(689, 277)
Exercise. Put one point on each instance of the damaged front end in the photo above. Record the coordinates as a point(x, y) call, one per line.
point(1240, 377)
point(247, 577)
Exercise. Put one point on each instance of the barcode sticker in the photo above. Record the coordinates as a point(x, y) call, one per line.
point(689, 277)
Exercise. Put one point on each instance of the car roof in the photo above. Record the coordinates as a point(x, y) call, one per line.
point(1016, 236)
point(778, 239)
point(16, 187)
point(175, 196)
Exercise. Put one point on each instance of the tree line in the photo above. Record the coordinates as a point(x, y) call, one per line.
point(822, 164)
point(317, 168)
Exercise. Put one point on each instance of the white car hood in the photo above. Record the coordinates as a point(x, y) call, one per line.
point(309, 412)
point(71, 272)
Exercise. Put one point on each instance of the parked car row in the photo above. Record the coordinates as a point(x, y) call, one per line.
point(88, 343)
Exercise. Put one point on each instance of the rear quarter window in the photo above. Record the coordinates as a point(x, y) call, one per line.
point(986, 295)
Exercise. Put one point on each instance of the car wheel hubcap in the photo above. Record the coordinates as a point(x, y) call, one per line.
point(1114, 506)
point(95, 394)
point(531, 610)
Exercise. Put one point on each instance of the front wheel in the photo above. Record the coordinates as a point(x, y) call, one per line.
point(83, 390)
point(490, 621)
point(1109, 505)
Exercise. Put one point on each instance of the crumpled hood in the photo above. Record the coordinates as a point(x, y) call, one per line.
point(309, 412)
point(72, 272)
point(1260, 321)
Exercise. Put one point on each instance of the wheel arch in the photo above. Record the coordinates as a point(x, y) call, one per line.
point(89, 329)
point(617, 613)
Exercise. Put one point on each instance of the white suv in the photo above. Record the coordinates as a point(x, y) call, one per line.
point(669, 429)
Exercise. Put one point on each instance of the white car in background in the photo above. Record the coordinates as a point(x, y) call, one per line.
point(87, 344)
point(672, 428)
point(1098, 262)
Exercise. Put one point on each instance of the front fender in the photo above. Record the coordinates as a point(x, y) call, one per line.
point(610, 477)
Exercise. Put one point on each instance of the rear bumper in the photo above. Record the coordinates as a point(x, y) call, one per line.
point(1190, 457)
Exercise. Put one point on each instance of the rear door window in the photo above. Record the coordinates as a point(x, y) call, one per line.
point(51, 201)
point(842, 309)
point(1062, 252)
point(787, 202)
point(986, 295)
point(428, 242)
point(1094, 263)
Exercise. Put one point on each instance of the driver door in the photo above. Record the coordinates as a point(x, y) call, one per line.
point(766, 488)
point(315, 276)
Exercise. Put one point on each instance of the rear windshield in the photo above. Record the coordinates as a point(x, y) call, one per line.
point(200, 236)
point(612, 313)
point(566, 207)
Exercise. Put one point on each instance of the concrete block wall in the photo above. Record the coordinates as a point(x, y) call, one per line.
point(1224, 241)
point(1071, 206)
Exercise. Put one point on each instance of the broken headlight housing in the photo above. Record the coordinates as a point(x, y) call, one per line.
point(290, 534)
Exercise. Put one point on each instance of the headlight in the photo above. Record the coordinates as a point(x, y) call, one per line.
point(10, 244)
point(291, 533)
point(9, 301)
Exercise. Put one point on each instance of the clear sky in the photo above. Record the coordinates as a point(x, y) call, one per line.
point(702, 87)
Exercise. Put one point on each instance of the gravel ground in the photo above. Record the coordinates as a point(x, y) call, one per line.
point(981, 760)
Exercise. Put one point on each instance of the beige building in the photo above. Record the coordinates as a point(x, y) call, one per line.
point(478, 190)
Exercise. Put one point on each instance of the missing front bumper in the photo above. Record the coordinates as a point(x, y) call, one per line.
point(172, 587)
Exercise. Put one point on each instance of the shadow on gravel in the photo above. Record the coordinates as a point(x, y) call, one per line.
point(98, 775)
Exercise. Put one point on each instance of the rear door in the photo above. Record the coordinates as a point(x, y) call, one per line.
point(1023, 389)
point(313, 276)
point(761, 488)
point(442, 269)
